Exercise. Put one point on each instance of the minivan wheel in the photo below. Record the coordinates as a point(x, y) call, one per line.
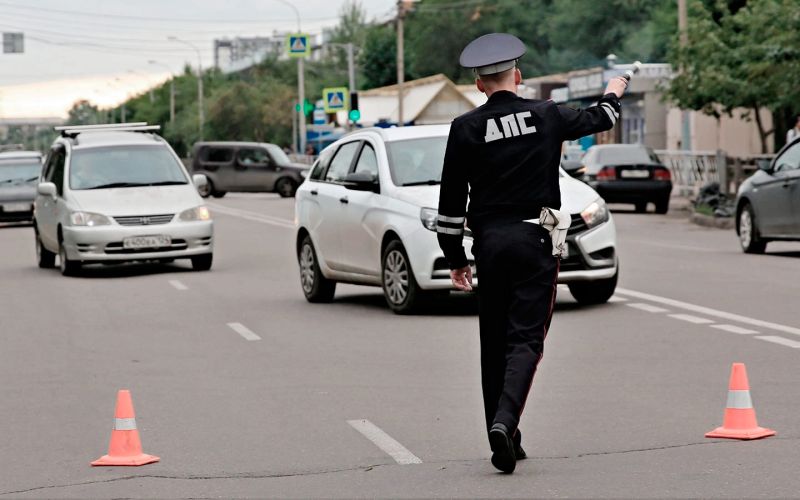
point(44, 257)
point(202, 262)
point(662, 206)
point(316, 287)
point(206, 190)
point(749, 237)
point(218, 194)
point(594, 292)
point(400, 288)
point(641, 207)
point(285, 187)
point(68, 267)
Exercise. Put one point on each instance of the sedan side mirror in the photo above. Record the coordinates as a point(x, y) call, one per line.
point(764, 164)
point(361, 181)
point(47, 189)
point(200, 181)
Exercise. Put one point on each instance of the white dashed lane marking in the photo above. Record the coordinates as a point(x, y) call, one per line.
point(385, 442)
point(178, 285)
point(251, 216)
point(647, 307)
point(243, 331)
point(780, 340)
point(691, 319)
point(734, 329)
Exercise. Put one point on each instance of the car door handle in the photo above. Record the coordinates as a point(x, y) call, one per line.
point(314, 192)
point(344, 199)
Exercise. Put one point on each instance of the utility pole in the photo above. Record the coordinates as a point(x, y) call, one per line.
point(683, 39)
point(200, 110)
point(351, 67)
point(401, 12)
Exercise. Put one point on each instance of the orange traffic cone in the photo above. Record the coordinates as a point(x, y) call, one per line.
point(125, 447)
point(740, 416)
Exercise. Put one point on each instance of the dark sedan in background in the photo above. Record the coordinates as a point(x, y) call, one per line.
point(19, 171)
point(768, 202)
point(627, 173)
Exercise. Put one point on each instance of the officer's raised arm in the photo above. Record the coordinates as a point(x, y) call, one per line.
point(600, 117)
point(453, 203)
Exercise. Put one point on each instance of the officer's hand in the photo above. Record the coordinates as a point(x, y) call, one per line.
point(462, 278)
point(616, 85)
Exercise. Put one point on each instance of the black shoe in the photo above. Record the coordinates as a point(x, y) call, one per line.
point(518, 451)
point(503, 457)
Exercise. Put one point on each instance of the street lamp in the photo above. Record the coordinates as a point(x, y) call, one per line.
point(301, 84)
point(200, 113)
point(171, 90)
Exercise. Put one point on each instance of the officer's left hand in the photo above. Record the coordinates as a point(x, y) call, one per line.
point(462, 278)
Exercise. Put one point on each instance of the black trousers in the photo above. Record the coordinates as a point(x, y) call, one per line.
point(516, 292)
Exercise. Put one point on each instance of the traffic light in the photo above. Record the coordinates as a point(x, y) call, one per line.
point(355, 113)
point(307, 107)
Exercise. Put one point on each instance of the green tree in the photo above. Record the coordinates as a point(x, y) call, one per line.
point(748, 59)
point(83, 112)
point(378, 59)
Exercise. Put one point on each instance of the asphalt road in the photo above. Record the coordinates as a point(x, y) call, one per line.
point(245, 390)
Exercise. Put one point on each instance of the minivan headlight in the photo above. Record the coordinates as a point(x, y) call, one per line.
point(195, 214)
point(596, 213)
point(428, 217)
point(88, 219)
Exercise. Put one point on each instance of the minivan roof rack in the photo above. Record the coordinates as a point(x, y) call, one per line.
point(74, 130)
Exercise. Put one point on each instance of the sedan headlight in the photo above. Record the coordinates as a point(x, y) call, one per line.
point(88, 219)
point(195, 214)
point(596, 213)
point(428, 217)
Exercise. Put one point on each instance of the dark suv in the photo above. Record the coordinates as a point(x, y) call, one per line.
point(246, 166)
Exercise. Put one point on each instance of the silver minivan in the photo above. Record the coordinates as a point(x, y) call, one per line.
point(115, 193)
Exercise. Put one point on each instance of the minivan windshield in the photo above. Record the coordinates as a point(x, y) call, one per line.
point(19, 170)
point(416, 162)
point(124, 166)
point(277, 154)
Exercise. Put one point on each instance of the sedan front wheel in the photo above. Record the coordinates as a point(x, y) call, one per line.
point(400, 288)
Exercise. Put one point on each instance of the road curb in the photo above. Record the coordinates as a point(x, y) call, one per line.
point(713, 222)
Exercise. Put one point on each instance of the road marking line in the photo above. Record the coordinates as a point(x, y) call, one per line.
point(647, 307)
point(691, 319)
point(385, 442)
point(780, 340)
point(617, 299)
point(243, 331)
point(178, 285)
point(734, 329)
point(251, 216)
point(710, 312)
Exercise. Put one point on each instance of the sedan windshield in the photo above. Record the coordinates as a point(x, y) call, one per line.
point(124, 166)
point(625, 156)
point(415, 162)
point(19, 171)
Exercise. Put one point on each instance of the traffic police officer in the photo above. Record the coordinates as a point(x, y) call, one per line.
point(505, 156)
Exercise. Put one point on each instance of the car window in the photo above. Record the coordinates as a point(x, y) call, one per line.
point(318, 170)
point(277, 154)
point(789, 160)
point(623, 155)
point(57, 174)
point(415, 161)
point(218, 155)
point(368, 161)
point(253, 156)
point(124, 166)
point(340, 165)
point(19, 170)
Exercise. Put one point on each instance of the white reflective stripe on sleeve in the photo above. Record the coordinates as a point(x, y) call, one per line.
point(124, 424)
point(447, 230)
point(739, 399)
point(608, 106)
point(610, 115)
point(451, 220)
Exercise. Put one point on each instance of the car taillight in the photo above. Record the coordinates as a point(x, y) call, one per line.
point(662, 174)
point(607, 174)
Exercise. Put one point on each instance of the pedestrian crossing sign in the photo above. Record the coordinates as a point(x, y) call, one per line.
point(298, 45)
point(336, 99)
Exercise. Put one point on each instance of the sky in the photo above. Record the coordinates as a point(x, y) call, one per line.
point(100, 49)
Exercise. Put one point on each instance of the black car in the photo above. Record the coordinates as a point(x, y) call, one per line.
point(19, 171)
point(246, 166)
point(628, 173)
point(768, 202)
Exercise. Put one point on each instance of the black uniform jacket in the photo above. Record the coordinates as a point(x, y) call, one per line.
point(505, 156)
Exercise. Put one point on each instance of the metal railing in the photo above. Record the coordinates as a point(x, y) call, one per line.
point(691, 170)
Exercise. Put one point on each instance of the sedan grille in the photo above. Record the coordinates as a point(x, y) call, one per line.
point(144, 220)
point(578, 225)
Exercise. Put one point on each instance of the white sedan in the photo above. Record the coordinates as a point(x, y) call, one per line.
point(366, 215)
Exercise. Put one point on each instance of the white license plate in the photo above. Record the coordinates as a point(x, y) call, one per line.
point(146, 242)
point(17, 207)
point(635, 174)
